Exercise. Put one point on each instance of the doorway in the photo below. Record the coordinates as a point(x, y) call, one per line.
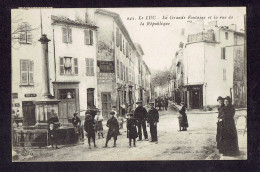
point(90, 97)
point(106, 104)
point(28, 113)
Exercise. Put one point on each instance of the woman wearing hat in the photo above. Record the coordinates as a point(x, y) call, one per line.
point(98, 121)
point(183, 120)
point(229, 141)
point(220, 123)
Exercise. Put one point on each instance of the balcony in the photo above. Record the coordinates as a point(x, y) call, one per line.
point(203, 36)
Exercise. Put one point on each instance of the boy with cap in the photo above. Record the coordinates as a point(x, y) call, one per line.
point(131, 129)
point(89, 127)
point(152, 120)
point(113, 129)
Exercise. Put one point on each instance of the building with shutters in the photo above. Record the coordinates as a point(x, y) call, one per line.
point(117, 61)
point(71, 62)
point(210, 63)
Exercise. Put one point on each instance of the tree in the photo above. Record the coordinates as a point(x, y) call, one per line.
point(160, 78)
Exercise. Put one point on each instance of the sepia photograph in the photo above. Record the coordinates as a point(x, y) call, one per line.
point(128, 84)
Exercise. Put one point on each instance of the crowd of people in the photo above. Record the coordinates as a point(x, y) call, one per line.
point(139, 119)
point(161, 103)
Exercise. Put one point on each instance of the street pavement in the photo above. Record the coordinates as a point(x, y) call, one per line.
point(198, 143)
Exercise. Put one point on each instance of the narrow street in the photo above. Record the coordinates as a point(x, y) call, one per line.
point(198, 143)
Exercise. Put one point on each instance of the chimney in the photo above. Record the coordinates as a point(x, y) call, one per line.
point(232, 27)
point(45, 70)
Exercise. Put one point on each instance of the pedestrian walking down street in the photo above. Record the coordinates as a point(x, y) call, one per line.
point(89, 127)
point(140, 114)
point(229, 142)
point(131, 129)
point(166, 103)
point(98, 124)
point(113, 129)
point(152, 120)
point(52, 136)
point(183, 120)
point(219, 135)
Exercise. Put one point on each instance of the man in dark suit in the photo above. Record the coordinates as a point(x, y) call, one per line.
point(140, 114)
point(152, 120)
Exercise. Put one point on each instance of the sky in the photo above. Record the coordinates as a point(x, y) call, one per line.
point(160, 43)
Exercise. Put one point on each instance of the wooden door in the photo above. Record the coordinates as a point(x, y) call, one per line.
point(28, 113)
point(106, 104)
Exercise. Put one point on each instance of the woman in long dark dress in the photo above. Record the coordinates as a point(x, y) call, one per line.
point(183, 120)
point(229, 143)
point(220, 123)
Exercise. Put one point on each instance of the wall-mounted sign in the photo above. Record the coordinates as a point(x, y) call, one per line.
point(30, 95)
point(14, 95)
point(106, 66)
point(17, 105)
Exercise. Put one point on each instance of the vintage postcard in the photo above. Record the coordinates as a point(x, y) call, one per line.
point(129, 84)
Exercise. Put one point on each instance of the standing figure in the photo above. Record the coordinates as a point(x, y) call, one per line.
point(166, 103)
point(229, 142)
point(131, 129)
point(113, 129)
point(114, 110)
point(98, 124)
point(140, 114)
point(162, 102)
point(123, 108)
point(159, 103)
point(52, 135)
point(152, 120)
point(219, 135)
point(183, 120)
point(89, 127)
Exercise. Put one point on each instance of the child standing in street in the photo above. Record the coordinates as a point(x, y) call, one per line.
point(131, 129)
point(52, 136)
point(99, 126)
point(89, 126)
point(113, 129)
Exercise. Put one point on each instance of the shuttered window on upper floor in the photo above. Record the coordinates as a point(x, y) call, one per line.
point(66, 35)
point(27, 72)
point(88, 37)
point(90, 67)
point(69, 66)
point(117, 37)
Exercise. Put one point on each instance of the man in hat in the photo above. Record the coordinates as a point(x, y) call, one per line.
point(140, 114)
point(152, 120)
point(89, 127)
point(113, 129)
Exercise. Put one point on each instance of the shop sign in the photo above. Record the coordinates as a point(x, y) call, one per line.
point(106, 66)
point(30, 95)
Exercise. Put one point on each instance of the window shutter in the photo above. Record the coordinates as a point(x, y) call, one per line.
point(76, 68)
point(91, 37)
point(120, 39)
point(61, 65)
point(92, 66)
point(31, 68)
point(117, 37)
point(70, 35)
point(127, 51)
point(87, 66)
point(24, 72)
point(64, 35)
point(87, 37)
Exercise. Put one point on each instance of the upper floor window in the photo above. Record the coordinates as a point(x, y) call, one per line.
point(120, 40)
point(123, 46)
point(127, 50)
point(68, 66)
point(90, 67)
point(88, 37)
point(25, 35)
point(223, 53)
point(118, 68)
point(226, 35)
point(117, 37)
point(66, 35)
point(26, 72)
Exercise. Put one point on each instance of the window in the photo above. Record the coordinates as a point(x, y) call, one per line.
point(66, 66)
point(67, 94)
point(223, 53)
point(120, 40)
point(127, 50)
point(88, 37)
point(66, 35)
point(224, 75)
point(123, 46)
point(117, 37)
point(118, 68)
point(90, 67)
point(121, 66)
point(26, 72)
point(226, 35)
point(25, 35)
point(126, 72)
